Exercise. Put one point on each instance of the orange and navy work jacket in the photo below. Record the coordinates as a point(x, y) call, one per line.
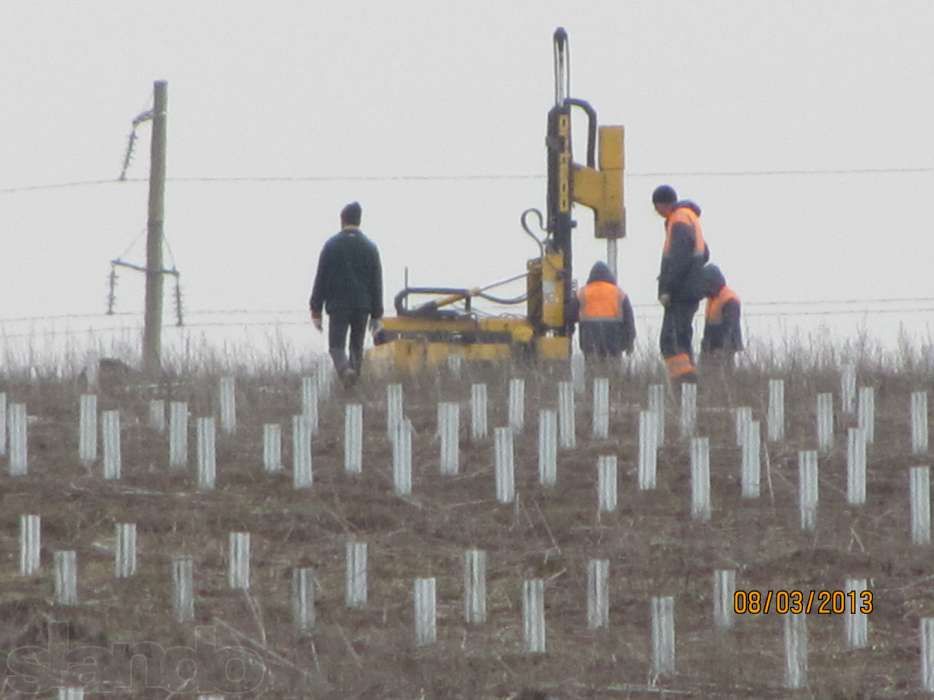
point(714, 313)
point(722, 330)
point(684, 216)
point(607, 326)
point(683, 255)
point(601, 301)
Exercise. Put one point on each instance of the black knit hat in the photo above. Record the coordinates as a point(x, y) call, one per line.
point(664, 194)
point(350, 215)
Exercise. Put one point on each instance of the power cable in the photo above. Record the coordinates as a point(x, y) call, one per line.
point(827, 302)
point(835, 312)
point(59, 185)
point(61, 317)
point(132, 243)
point(822, 302)
point(281, 323)
point(865, 308)
point(471, 177)
point(841, 312)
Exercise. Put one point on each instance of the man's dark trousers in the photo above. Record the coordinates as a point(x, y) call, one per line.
point(678, 329)
point(339, 322)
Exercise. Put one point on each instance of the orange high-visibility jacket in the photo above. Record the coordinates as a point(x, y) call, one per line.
point(722, 329)
point(607, 325)
point(601, 300)
point(714, 311)
point(686, 216)
point(683, 255)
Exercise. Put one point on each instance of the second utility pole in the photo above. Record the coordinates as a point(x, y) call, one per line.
point(152, 328)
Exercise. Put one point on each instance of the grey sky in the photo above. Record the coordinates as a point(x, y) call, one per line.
point(349, 88)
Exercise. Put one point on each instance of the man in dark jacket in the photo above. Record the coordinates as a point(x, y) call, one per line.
point(604, 313)
point(680, 280)
point(349, 286)
point(723, 336)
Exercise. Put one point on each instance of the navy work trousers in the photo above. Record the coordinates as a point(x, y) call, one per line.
point(677, 334)
point(339, 322)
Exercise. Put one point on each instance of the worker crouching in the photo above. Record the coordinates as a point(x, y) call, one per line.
point(604, 314)
point(723, 336)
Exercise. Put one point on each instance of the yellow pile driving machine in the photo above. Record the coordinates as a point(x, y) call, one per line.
point(427, 334)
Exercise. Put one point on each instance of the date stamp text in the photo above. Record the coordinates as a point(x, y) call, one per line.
point(784, 602)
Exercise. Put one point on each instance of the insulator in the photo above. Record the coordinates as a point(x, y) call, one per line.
point(178, 303)
point(129, 153)
point(111, 297)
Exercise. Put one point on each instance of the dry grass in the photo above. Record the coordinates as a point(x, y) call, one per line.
point(653, 545)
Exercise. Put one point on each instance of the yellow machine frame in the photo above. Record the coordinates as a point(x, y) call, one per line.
point(425, 336)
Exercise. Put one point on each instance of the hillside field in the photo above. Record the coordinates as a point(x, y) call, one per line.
point(245, 645)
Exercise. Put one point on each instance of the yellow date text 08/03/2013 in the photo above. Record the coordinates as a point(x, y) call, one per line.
point(784, 602)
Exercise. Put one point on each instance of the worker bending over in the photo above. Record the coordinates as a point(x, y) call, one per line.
point(723, 336)
point(604, 313)
point(680, 280)
point(349, 285)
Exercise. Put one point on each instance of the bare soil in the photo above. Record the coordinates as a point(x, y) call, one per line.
point(245, 645)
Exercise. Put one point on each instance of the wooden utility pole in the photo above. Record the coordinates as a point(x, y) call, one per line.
point(152, 330)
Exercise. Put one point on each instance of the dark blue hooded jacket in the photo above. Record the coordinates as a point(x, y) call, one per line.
point(605, 337)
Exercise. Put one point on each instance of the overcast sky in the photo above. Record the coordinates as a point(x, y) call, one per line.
point(440, 88)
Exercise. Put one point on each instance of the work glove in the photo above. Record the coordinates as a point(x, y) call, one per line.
point(375, 325)
point(316, 321)
point(664, 299)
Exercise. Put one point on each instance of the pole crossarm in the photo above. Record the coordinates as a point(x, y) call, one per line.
point(142, 268)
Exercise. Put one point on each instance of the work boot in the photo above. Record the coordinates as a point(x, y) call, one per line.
point(349, 377)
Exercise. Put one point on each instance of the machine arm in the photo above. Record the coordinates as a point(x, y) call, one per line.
point(591, 127)
point(601, 189)
point(452, 296)
point(597, 185)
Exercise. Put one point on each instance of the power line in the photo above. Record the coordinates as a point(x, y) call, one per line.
point(840, 312)
point(59, 186)
point(800, 303)
point(541, 176)
point(168, 327)
point(769, 173)
point(466, 177)
point(831, 313)
point(62, 317)
point(827, 302)
point(281, 323)
point(795, 303)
